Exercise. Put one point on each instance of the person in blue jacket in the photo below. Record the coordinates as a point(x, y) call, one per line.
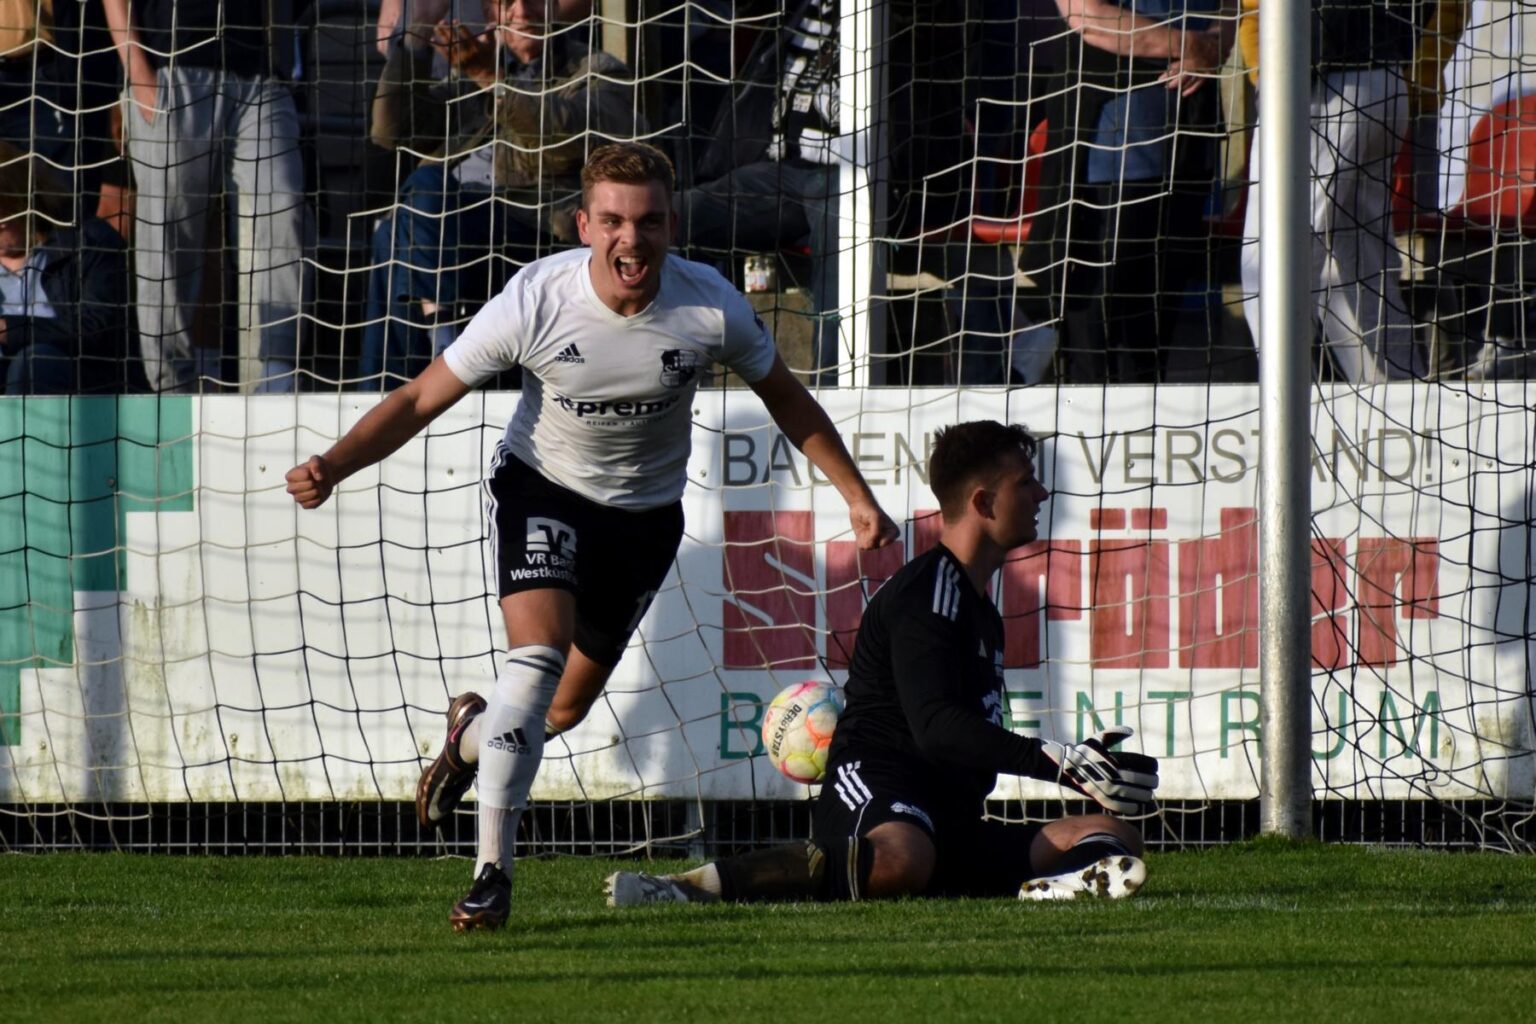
point(65, 304)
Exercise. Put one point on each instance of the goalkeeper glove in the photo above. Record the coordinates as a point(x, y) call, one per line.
point(1120, 781)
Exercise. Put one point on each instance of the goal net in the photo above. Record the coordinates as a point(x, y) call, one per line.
point(980, 211)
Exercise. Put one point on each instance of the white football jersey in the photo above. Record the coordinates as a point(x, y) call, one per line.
point(607, 406)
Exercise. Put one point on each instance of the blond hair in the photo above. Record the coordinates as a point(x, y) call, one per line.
point(628, 163)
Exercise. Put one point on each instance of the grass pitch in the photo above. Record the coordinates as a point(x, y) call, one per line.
point(1251, 932)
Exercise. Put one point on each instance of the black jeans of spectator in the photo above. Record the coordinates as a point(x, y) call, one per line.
point(768, 206)
point(38, 114)
point(44, 369)
point(1142, 244)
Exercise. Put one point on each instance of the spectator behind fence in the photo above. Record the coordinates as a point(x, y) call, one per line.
point(505, 140)
point(208, 102)
point(57, 79)
point(1359, 113)
point(32, 111)
point(1490, 85)
point(65, 315)
point(771, 171)
point(1129, 167)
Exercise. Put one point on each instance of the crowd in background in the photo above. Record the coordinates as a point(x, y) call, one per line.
point(1069, 186)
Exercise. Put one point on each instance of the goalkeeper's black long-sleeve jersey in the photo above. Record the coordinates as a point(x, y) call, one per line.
point(925, 684)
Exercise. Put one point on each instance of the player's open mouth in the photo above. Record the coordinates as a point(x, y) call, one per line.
point(631, 269)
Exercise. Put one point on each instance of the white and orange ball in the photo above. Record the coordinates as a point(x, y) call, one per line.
point(797, 729)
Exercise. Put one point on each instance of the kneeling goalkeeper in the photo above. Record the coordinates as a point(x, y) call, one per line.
point(921, 742)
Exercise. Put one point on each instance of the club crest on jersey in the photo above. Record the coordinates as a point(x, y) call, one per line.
point(679, 366)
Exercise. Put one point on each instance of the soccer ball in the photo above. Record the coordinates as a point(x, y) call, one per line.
point(797, 729)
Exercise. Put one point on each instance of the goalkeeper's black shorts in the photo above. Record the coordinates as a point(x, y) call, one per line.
point(975, 857)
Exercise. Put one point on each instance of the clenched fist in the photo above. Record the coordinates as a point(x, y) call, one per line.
point(872, 528)
point(311, 483)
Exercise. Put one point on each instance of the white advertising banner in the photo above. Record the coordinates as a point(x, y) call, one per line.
point(260, 652)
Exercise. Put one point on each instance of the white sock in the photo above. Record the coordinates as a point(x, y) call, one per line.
point(498, 837)
point(511, 745)
point(706, 877)
point(469, 739)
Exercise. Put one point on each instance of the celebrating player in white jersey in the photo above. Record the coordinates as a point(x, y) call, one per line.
point(584, 490)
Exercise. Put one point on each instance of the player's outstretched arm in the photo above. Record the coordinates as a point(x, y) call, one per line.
point(806, 424)
point(950, 730)
point(401, 416)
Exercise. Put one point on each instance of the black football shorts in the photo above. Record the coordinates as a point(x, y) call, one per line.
point(614, 560)
point(975, 857)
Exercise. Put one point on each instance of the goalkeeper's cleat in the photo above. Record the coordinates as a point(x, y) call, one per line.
point(632, 888)
point(447, 778)
point(1112, 878)
point(487, 904)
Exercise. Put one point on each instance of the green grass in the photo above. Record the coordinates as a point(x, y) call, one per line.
point(1254, 932)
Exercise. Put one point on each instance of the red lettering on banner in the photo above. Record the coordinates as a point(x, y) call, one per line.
point(1219, 595)
point(853, 576)
point(1128, 584)
point(1106, 519)
point(1054, 568)
point(1330, 627)
point(1385, 566)
point(770, 614)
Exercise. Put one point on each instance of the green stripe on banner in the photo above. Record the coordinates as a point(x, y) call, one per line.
point(70, 470)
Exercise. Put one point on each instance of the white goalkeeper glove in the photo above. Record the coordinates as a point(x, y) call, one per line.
point(1118, 780)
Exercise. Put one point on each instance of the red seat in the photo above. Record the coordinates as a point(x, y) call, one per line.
point(1015, 230)
point(1500, 190)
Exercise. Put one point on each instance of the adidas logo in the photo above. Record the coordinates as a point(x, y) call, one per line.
point(569, 354)
point(514, 741)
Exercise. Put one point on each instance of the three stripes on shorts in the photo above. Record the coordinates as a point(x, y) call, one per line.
point(850, 788)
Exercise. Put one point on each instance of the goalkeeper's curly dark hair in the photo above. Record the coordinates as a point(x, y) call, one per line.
point(972, 454)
